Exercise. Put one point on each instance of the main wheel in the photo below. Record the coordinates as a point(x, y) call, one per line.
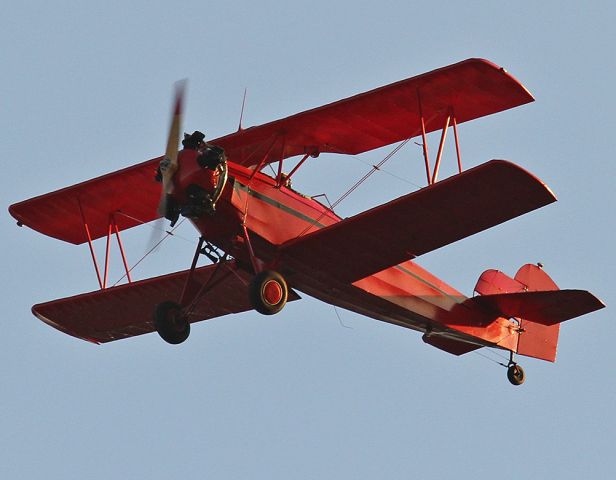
point(515, 374)
point(268, 292)
point(171, 324)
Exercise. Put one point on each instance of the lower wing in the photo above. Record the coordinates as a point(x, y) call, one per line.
point(419, 222)
point(127, 310)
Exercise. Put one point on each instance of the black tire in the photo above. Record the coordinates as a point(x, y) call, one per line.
point(172, 326)
point(515, 374)
point(268, 292)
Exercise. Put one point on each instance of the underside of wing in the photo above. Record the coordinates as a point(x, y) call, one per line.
point(131, 195)
point(419, 222)
point(127, 310)
point(469, 89)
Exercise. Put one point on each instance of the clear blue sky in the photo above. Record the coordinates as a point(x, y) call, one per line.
point(86, 89)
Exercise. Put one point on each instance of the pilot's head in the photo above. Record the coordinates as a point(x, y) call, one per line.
point(193, 141)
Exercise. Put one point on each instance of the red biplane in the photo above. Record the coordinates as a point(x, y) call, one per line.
point(266, 241)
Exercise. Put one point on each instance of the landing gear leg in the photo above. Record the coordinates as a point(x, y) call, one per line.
point(268, 290)
point(515, 373)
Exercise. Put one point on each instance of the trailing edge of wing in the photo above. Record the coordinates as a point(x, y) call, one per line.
point(419, 222)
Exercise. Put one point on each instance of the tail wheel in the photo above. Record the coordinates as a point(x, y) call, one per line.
point(171, 324)
point(515, 374)
point(268, 292)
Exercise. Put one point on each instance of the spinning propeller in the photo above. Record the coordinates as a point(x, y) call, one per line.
point(169, 164)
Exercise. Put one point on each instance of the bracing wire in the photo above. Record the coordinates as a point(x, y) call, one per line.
point(391, 174)
point(340, 319)
point(155, 227)
point(169, 233)
point(492, 359)
point(375, 168)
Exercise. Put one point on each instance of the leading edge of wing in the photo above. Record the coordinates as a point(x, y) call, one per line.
point(469, 89)
point(419, 222)
point(127, 310)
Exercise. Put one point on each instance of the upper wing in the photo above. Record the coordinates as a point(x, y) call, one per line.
point(131, 195)
point(419, 222)
point(471, 89)
point(127, 310)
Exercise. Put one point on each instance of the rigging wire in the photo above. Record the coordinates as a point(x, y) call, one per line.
point(169, 233)
point(375, 168)
point(272, 169)
point(391, 174)
point(340, 319)
point(492, 359)
point(155, 226)
point(367, 175)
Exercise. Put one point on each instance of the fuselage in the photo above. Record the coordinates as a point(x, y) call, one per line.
point(272, 214)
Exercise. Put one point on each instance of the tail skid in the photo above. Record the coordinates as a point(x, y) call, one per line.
point(536, 301)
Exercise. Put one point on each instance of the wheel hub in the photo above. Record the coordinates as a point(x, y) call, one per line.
point(272, 292)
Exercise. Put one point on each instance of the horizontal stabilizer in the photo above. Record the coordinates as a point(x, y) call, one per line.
point(419, 222)
point(543, 307)
point(536, 301)
point(127, 310)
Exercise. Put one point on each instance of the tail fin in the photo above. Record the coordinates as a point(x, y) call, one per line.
point(534, 298)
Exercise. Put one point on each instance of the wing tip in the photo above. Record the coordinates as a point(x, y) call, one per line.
point(14, 212)
point(548, 195)
point(48, 321)
point(488, 63)
point(592, 302)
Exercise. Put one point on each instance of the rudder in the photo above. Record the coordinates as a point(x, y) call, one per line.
point(537, 340)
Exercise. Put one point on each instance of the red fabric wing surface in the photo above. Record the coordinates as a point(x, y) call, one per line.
point(419, 222)
point(127, 310)
point(131, 194)
point(471, 89)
